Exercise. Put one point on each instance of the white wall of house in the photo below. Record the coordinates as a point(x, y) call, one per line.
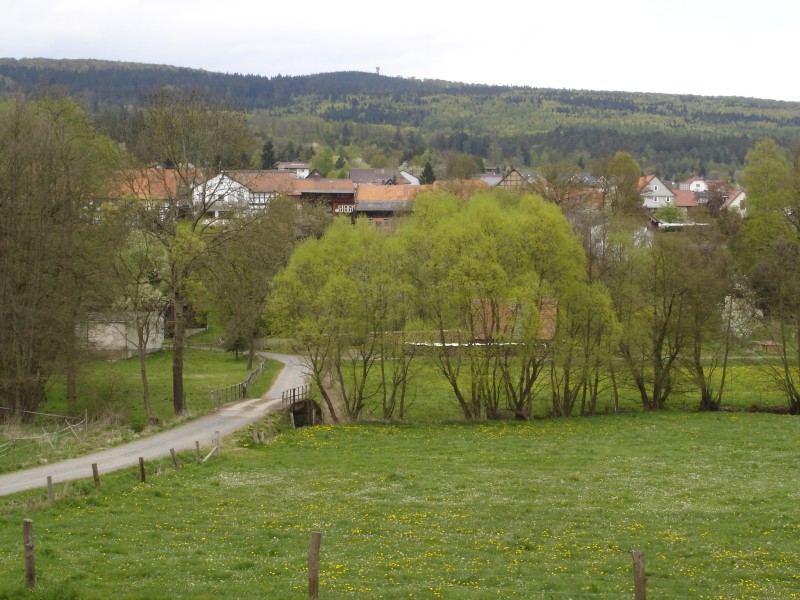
point(698, 185)
point(737, 203)
point(298, 170)
point(221, 195)
point(656, 195)
point(225, 196)
point(115, 336)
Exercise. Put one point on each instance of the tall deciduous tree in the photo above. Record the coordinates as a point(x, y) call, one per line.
point(137, 269)
point(239, 273)
point(621, 175)
point(52, 163)
point(197, 141)
point(771, 244)
point(490, 273)
point(344, 298)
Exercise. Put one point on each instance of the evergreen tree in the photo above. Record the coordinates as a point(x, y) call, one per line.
point(268, 156)
point(428, 176)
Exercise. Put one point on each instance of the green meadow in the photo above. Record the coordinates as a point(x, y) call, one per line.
point(110, 394)
point(542, 509)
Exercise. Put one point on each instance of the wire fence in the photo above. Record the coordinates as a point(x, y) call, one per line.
point(48, 437)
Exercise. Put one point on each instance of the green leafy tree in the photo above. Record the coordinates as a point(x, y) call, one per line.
point(238, 275)
point(199, 140)
point(487, 272)
point(559, 182)
point(323, 160)
point(585, 341)
point(462, 166)
point(344, 299)
point(649, 289)
point(621, 174)
point(771, 252)
point(136, 270)
point(670, 214)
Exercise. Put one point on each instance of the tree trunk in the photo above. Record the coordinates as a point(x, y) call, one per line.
point(251, 350)
point(178, 398)
point(143, 371)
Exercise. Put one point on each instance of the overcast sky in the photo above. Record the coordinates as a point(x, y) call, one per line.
point(706, 47)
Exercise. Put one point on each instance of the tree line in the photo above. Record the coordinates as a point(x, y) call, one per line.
point(513, 296)
point(674, 136)
point(516, 297)
point(87, 227)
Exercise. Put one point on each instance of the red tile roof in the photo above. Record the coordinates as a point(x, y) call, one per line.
point(685, 199)
point(388, 193)
point(279, 182)
point(323, 186)
point(154, 183)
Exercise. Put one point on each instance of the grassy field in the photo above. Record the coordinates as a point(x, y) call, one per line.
point(545, 509)
point(114, 387)
point(430, 397)
point(110, 393)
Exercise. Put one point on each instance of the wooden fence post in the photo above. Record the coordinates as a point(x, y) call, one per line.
point(174, 458)
point(197, 453)
point(269, 424)
point(291, 418)
point(141, 469)
point(255, 433)
point(216, 442)
point(639, 576)
point(313, 564)
point(96, 475)
point(51, 494)
point(30, 561)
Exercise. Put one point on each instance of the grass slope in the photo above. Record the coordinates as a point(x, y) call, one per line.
point(111, 394)
point(546, 509)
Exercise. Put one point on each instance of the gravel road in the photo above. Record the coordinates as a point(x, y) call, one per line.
point(227, 419)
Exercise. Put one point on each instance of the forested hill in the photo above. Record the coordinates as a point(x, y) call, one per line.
point(671, 134)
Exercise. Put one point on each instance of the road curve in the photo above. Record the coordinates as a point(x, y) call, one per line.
point(227, 419)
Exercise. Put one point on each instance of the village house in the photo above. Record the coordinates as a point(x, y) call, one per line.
point(655, 193)
point(384, 205)
point(338, 195)
point(694, 184)
point(298, 170)
point(382, 177)
point(735, 201)
point(236, 191)
point(114, 335)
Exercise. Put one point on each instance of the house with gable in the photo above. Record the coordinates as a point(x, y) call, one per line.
point(157, 188)
point(736, 202)
point(515, 181)
point(655, 193)
point(694, 184)
point(687, 201)
point(237, 191)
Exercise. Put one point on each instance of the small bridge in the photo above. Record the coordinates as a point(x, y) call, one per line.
point(301, 409)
